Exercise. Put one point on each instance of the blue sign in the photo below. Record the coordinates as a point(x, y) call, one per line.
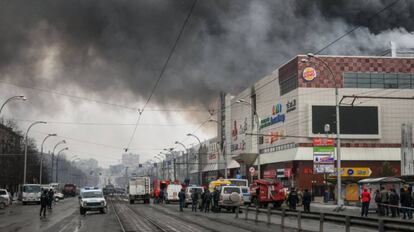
point(238, 176)
point(350, 172)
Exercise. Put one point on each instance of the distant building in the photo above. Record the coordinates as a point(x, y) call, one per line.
point(130, 160)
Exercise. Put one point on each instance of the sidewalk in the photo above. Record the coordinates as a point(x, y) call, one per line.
point(330, 208)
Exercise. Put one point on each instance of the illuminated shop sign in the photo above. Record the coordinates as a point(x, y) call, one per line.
point(277, 117)
point(309, 74)
point(274, 136)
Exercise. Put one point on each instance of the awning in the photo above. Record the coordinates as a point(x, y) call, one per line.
point(233, 164)
point(210, 167)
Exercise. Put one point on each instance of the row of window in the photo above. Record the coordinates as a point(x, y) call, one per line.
point(379, 80)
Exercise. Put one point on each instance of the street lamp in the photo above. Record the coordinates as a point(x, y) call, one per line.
point(338, 132)
point(41, 156)
point(57, 163)
point(186, 158)
point(174, 164)
point(25, 148)
point(200, 178)
point(53, 154)
point(242, 101)
point(12, 98)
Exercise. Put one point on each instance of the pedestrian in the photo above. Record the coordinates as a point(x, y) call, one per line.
point(161, 200)
point(51, 194)
point(385, 196)
point(377, 199)
point(405, 201)
point(216, 198)
point(292, 199)
point(181, 197)
point(207, 201)
point(43, 203)
point(307, 198)
point(194, 200)
point(410, 202)
point(156, 196)
point(365, 199)
point(393, 201)
point(202, 200)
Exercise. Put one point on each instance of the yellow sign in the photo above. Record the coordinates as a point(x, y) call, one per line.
point(309, 74)
point(355, 172)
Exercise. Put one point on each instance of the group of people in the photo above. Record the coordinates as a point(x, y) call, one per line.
point(203, 201)
point(46, 200)
point(390, 202)
point(293, 199)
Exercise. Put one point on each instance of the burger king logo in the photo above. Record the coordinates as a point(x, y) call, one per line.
point(309, 74)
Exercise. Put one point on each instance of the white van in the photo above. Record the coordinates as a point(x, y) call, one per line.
point(172, 193)
point(31, 193)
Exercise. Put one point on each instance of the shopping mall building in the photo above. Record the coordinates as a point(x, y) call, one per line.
point(296, 103)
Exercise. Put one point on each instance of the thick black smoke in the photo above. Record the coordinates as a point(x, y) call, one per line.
point(109, 49)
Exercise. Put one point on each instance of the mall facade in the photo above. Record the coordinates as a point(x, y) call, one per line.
point(296, 104)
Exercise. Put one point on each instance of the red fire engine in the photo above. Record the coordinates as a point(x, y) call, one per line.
point(265, 191)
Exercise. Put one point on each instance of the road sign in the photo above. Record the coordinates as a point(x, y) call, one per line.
point(252, 170)
point(355, 172)
point(326, 142)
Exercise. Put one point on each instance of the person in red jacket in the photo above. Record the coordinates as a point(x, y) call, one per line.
point(365, 199)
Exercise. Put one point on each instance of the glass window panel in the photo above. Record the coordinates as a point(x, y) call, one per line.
point(364, 76)
point(377, 75)
point(364, 85)
point(364, 81)
point(377, 81)
point(350, 85)
point(377, 85)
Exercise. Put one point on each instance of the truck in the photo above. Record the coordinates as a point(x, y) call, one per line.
point(69, 190)
point(139, 189)
point(267, 191)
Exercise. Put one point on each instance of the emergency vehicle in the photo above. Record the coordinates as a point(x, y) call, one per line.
point(267, 191)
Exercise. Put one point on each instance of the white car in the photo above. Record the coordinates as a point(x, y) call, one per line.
point(230, 197)
point(189, 191)
point(4, 194)
point(92, 199)
point(172, 193)
point(246, 195)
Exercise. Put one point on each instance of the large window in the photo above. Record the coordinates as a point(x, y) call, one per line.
point(379, 80)
point(289, 84)
point(354, 120)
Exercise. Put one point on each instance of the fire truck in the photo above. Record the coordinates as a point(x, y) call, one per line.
point(267, 191)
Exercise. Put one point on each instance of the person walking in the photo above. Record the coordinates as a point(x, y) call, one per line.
point(394, 200)
point(51, 195)
point(307, 198)
point(194, 200)
point(377, 199)
point(410, 202)
point(181, 197)
point(365, 199)
point(292, 199)
point(43, 203)
point(216, 198)
point(161, 200)
point(156, 196)
point(385, 196)
point(202, 200)
point(207, 201)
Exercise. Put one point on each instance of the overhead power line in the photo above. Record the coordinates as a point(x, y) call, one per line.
point(164, 67)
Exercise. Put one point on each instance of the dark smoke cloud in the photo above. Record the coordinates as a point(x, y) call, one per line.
point(109, 49)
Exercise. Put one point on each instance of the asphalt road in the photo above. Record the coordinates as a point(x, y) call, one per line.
point(64, 217)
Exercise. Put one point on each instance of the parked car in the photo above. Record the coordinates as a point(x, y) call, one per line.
point(3, 202)
point(5, 194)
point(230, 198)
point(246, 195)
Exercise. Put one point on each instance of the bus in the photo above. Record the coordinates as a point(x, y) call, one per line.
point(239, 182)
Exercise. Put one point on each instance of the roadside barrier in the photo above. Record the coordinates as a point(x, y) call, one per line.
point(381, 224)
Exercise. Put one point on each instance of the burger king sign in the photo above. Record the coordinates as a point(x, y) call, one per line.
point(309, 74)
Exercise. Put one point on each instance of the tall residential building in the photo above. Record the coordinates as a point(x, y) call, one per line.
point(130, 160)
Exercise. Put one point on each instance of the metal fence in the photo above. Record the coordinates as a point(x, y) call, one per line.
point(381, 224)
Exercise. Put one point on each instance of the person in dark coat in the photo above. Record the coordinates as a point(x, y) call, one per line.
point(377, 199)
point(394, 200)
point(44, 199)
point(292, 199)
point(405, 201)
point(194, 200)
point(51, 194)
point(385, 195)
point(410, 202)
point(216, 198)
point(161, 200)
point(307, 199)
point(181, 197)
point(207, 201)
point(202, 200)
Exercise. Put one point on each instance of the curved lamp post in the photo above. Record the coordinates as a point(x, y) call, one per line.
point(338, 132)
point(186, 158)
point(57, 163)
point(53, 155)
point(11, 99)
point(200, 177)
point(41, 156)
point(25, 148)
